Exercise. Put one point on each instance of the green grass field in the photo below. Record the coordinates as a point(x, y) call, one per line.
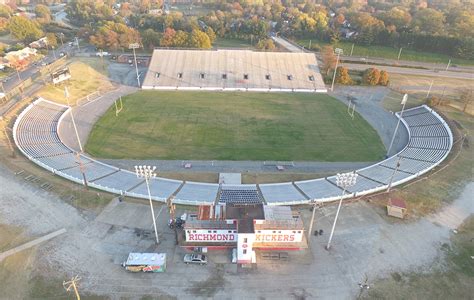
point(391, 53)
point(231, 43)
point(233, 126)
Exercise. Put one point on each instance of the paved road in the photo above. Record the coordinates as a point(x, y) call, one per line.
point(412, 71)
point(286, 44)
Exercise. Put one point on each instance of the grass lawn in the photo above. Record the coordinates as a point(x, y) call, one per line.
point(234, 126)
point(87, 76)
point(391, 53)
point(231, 43)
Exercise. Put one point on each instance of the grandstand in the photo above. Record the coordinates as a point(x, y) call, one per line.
point(233, 70)
point(35, 134)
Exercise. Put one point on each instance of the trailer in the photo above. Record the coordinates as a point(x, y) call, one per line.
point(145, 262)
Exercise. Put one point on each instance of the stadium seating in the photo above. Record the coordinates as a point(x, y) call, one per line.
point(35, 134)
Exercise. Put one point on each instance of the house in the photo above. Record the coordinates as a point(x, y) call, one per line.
point(41, 43)
point(22, 55)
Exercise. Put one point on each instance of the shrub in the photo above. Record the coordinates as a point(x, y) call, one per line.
point(371, 76)
point(383, 80)
point(342, 76)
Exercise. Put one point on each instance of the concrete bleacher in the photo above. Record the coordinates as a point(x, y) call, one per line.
point(35, 134)
point(172, 69)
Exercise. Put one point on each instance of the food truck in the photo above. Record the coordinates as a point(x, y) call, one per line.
point(145, 262)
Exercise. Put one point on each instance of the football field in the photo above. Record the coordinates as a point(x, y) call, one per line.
point(234, 126)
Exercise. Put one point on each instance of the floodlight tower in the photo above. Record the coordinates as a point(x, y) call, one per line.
point(135, 46)
point(338, 51)
point(148, 172)
point(343, 181)
point(404, 101)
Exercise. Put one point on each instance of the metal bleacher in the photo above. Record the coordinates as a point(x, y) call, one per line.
point(35, 134)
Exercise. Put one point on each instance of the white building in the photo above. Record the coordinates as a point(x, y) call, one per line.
point(250, 228)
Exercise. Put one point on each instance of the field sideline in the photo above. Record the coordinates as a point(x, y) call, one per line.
point(234, 126)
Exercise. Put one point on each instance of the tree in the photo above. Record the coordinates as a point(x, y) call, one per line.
point(199, 39)
point(371, 76)
point(328, 58)
point(52, 39)
point(151, 38)
point(466, 97)
point(397, 17)
point(429, 21)
point(5, 11)
point(368, 27)
point(266, 44)
point(463, 25)
point(383, 80)
point(211, 34)
point(167, 40)
point(24, 29)
point(43, 14)
point(113, 35)
point(342, 76)
point(3, 25)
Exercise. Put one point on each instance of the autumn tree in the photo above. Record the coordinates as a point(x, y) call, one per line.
point(342, 76)
point(5, 11)
point(266, 44)
point(428, 21)
point(371, 76)
point(211, 34)
point(3, 25)
point(329, 59)
point(43, 14)
point(52, 39)
point(113, 36)
point(24, 29)
point(167, 40)
point(396, 16)
point(384, 79)
point(199, 39)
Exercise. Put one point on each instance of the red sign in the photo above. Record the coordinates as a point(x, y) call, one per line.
point(274, 238)
point(215, 237)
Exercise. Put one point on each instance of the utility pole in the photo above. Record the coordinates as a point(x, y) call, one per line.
point(338, 51)
point(352, 48)
point(449, 63)
point(77, 44)
point(399, 53)
point(72, 284)
point(429, 90)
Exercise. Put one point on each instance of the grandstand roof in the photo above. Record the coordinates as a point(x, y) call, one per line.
point(233, 70)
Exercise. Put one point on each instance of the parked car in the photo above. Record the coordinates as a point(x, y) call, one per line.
point(192, 258)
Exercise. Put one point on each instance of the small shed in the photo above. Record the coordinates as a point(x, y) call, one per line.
point(397, 207)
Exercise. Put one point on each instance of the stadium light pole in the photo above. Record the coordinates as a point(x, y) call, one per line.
point(404, 101)
point(135, 46)
point(343, 181)
point(66, 94)
point(338, 51)
point(148, 172)
point(312, 222)
point(393, 174)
